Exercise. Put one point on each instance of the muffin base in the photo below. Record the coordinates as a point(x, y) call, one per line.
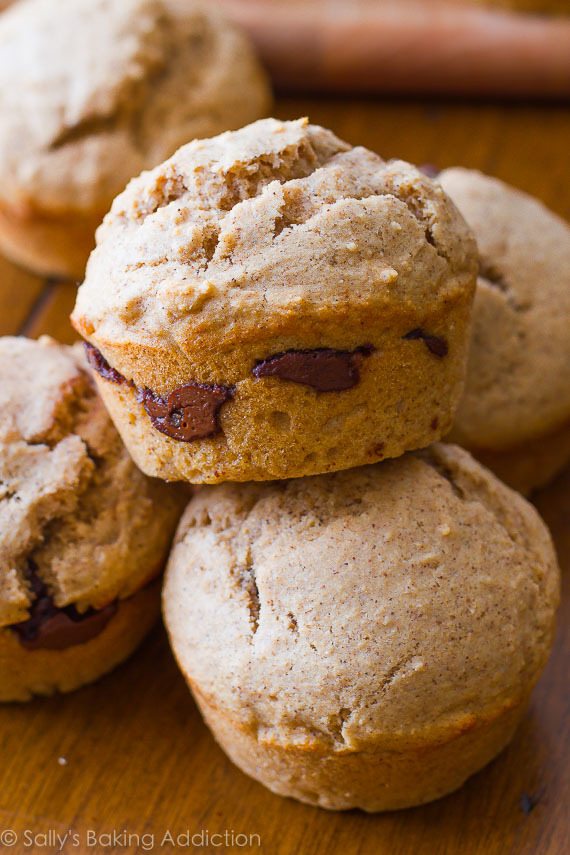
point(48, 245)
point(273, 428)
point(374, 780)
point(532, 465)
point(25, 673)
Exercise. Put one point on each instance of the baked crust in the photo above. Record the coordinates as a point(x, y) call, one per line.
point(277, 429)
point(379, 778)
point(27, 673)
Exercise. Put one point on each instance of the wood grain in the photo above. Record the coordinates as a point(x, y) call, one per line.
point(50, 314)
point(138, 757)
point(19, 291)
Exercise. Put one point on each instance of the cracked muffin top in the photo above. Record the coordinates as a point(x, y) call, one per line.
point(94, 91)
point(279, 230)
point(75, 512)
point(389, 603)
point(518, 375)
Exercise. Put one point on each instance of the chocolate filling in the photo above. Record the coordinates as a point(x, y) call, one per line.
point(192, 411)
point(52, 628)
point(324, 369)
point(435, 344)
point(189, 412)
point(99, 364)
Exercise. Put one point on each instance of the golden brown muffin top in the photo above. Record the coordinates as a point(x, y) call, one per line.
point(277, 229)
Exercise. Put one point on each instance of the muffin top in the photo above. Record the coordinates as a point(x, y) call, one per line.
point(405, 601)
point(94, 91)
point(74, 509)
point(279, 230)
point(518, 375)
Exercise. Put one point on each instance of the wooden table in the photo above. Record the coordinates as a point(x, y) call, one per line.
point(135, 755)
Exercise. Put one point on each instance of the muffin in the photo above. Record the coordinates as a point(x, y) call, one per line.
point(83, 534)
point(515, 411)
point(274, 303)
point(94, 91)
point(367, 638)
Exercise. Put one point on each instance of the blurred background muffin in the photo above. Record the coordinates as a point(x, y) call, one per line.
point(514, 415)
point(91, 93)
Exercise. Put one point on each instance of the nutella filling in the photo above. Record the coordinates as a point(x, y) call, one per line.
point(435, 344)
point(99, 364)
point(52, 628)
point(323, 369)
point(189, 412)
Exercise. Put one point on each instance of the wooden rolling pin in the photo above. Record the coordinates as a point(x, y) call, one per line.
point(408, 46)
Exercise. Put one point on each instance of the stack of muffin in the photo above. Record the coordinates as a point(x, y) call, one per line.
point(268, 306)
point(360, 611)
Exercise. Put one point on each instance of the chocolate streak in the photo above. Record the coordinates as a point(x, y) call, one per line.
point(52, 628)
point(189, 412)
point(435, 344)
point(324, 369)
point(99, 364)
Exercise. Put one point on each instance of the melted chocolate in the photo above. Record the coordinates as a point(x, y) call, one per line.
point(99, 364)
point(189, 412)
point(435, 344)
point(52, 628)
point(324, 369)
